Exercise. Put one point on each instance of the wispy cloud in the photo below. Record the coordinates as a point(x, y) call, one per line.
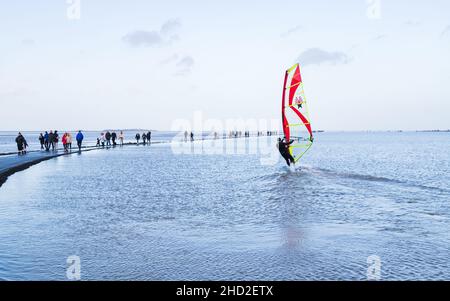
point(170, 59)
point(380, 37)
point(291, 31)
point(143, 38)
point(170, 27)
point(412, 23)
point(166, 35)
point(317, 56)
point(445, 31)
point(184, 66)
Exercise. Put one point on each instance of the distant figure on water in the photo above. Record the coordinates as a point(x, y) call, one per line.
point(69, 141)
point(186, 136)
point(149, 137)
point(192, 137)
point(64, 141)
point(144, 138)
point(113, 138)
point(121, 136)
point(21, 144)
point(79, 139)
point(55, 140)
point(138, 137)
point(102, 139)
point(41, 140)
point(108, 138)
point(51, 140)
point(283, 147)
point(46, 141)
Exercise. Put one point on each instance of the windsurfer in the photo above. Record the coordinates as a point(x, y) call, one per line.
point(283, 147)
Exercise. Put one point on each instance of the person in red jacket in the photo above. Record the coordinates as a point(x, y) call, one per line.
point(64, 141)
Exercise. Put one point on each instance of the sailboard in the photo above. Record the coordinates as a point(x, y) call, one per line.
point(295, 115)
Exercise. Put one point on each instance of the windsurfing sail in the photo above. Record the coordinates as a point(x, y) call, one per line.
point(295, 115)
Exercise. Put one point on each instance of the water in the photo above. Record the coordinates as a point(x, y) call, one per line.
point(146, 213)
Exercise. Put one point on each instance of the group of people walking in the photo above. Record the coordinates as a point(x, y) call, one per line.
point(191, 135)
point(105, 139)
point(49, 140)
point(146, 138)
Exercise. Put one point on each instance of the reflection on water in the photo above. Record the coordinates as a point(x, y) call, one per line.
point(145, 213)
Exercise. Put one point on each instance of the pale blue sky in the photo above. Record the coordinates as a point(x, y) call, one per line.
point(128, 64)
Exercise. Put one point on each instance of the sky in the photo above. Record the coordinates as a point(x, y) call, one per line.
point(96, 64)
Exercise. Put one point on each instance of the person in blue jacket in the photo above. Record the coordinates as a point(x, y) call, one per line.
point(79, 138)
point(46, 142)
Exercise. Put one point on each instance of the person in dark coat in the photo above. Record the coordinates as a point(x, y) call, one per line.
point(144, 138)
point(51, 140)
point(113, 138)
point(138, 137)
point(149, 137)
point(41, 140)
point(108, 138)
point(21, 144)
point(283, 147)
point(55, 140)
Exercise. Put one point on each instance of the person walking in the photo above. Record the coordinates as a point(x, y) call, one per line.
point(51, 142)
point(113, 138)
point(138, 137)
point(64, 141)
point(55, 140)
point(20, 141)
point(192, 137)
point(144, 137)
point(149, 137)
point(102, 139)
point(41, 140)
point(69, 141)
point(121, 136)
point(46, 141)
point(108, 138)
point(79, 139)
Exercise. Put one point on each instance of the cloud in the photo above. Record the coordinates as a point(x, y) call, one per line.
point(445, 31)
point(170, 59)
point(291, 31)
point(317, 56)
point(380, 37)
point(143, 38)
point(165, 36)
point(170, 26)
point(184, 66)
point(186, 62)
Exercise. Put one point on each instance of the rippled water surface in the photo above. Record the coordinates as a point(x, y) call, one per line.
point(145, 213)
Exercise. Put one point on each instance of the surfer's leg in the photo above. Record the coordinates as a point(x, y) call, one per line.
point(286, 157)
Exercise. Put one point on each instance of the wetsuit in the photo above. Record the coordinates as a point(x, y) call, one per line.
point(283, 147)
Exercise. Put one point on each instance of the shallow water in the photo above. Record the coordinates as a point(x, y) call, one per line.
point(145, 213)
